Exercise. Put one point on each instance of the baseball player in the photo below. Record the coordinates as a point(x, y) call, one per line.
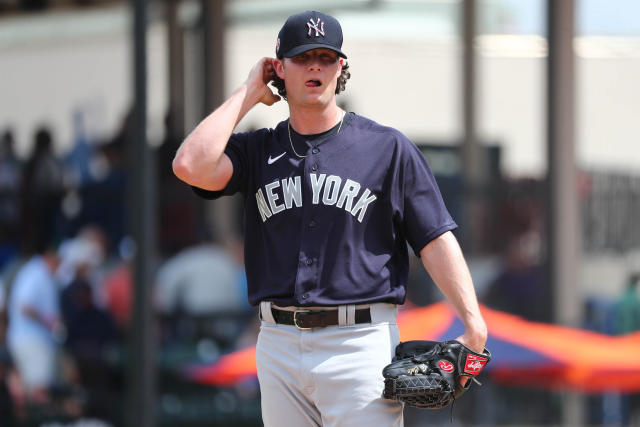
point(331, 201)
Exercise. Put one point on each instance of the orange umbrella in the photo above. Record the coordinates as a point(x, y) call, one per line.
point(589, 361)
point(227, 370)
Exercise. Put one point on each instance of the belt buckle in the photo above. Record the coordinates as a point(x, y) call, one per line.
point(295, 319)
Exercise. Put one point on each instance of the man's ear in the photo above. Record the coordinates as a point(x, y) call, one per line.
point(278, 67)
point(339, 71)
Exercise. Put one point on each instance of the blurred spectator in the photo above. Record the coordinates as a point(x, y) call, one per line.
point(104, 197)
point(78, 163)
point(201, 280)
point(10, 171)
point(627, 309)
point(84, 255)
point(80, 259)
point(90, 331)
point(201, 296)
point(599, 315)
point(97, 178)
point(519, 288)
point(42, 191)
point(119, 294)
point(117, 285)
point(178, 209)
point(91, 338)
point(34, 324)
point(79, 159)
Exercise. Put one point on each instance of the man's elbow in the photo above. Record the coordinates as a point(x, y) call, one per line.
point(181, 168)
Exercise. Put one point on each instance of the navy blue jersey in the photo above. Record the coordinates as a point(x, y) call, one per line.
point(332, 228)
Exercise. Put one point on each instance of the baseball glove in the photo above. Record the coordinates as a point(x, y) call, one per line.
point(426, 374)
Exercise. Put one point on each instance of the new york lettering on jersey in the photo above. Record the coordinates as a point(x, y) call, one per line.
point(329, 190)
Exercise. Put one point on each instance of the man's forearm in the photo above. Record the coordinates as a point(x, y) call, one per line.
point(444, 261)
point(199, 155)
point(200, 160)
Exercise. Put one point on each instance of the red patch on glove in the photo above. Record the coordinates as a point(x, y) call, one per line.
point(474, 364)
point(445, 366)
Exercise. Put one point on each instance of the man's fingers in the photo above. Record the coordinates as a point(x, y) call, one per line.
point(261, 74)
point(268, 72)
point(263, 70)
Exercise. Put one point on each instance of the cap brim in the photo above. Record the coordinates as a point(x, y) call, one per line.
point(306, 47)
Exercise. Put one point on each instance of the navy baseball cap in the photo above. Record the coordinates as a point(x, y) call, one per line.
point(309, 30)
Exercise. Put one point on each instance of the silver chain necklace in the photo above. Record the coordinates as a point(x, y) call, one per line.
point(291, 142)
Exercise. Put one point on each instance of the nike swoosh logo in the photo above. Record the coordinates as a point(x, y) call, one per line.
point(271, 160)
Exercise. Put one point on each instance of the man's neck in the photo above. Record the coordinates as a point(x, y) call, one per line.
point(313, 121)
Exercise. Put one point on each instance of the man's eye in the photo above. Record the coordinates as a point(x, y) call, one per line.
point(305, 58)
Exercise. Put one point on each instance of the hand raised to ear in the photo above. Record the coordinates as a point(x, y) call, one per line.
point(259, 76)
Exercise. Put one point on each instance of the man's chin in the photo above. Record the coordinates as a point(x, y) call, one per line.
point(318, 99)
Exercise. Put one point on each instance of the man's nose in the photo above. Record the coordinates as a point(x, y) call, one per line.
point(313, 62)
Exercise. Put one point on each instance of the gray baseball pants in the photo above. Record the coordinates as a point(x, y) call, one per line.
point(328, 376)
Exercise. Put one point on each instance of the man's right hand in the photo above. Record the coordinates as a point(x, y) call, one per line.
point(259, 76)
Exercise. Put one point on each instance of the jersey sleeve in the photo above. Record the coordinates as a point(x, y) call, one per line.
point(424, 214)
point(238, 152)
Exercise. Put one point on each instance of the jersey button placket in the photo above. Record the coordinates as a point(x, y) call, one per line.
point(306, 278)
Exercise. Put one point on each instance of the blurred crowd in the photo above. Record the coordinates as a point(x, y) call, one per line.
point(66, 280)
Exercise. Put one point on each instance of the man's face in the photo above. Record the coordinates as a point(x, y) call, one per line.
point(311, 77)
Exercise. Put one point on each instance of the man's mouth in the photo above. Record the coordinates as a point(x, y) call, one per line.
point(313, 83)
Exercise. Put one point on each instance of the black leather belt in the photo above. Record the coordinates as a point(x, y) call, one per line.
point(307, 319)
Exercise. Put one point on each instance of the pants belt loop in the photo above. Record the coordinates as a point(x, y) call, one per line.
point(342, 315)
point(377, 313)
point(265, 312)
point(383, 312)
point(351, 314)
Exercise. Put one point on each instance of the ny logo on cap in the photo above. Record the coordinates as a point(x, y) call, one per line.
point(314, 26)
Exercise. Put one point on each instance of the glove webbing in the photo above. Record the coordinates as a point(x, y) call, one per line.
point(415, 390)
